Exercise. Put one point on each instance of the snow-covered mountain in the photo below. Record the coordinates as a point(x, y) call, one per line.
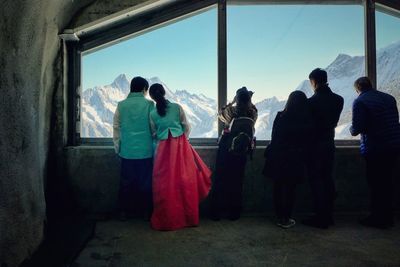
point(99, 103)
point(267, 110)
point(345, 69)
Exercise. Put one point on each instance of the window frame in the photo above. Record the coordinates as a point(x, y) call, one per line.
point(111, 34)
point(128, 25)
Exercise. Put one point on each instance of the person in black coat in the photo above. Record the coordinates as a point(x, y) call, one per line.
point(326, 107)
point(376, 118)
point(285, 156)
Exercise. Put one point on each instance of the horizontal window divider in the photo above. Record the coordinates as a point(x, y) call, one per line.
point(97, 141)
point(388, 10)
point(109, 142)
point(205, 142)
point(392, 6)
point(294, 2)
point(142, 23)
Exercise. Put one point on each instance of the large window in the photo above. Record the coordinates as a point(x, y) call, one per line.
point(270, 48)
point(182, 56)
point(273, 48)
point(388, 53)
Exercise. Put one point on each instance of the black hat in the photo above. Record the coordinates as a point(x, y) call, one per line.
point(243, 91)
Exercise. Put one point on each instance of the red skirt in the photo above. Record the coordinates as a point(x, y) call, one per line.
point(180, 181)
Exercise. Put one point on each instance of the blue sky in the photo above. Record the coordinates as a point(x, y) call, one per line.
point(271, 49)
point(387, 29)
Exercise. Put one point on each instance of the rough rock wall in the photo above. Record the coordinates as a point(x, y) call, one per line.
point(30, 90)
point(102, 8)
point(30, 64)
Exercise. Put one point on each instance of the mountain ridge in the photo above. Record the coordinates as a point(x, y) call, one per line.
point(99, 102)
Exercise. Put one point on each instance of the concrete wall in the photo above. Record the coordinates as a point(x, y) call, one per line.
point(100, 9)
point(32, 109)
point(93, 174)
point(30, 81)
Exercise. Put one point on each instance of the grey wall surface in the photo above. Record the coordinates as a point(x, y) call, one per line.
point(31, 104)
point(31, 108)
point(27, 53)
point(93, 174)
point(100, 9)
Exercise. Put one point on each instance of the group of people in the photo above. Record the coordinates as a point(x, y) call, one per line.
point(164, 179)
point(303, 142)
point(165, 185)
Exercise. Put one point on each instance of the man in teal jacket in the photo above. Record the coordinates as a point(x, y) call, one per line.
point(134, 145)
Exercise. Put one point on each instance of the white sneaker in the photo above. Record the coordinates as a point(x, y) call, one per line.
point(286, 224)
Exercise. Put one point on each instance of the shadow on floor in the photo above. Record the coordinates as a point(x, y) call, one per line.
point(250, 241)
point(64, 240)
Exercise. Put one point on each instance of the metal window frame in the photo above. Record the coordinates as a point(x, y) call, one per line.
point(370, 40)
point(163, 12)
point(73, 94)
point(393, 5)
point(110, 34)
point(294, 2)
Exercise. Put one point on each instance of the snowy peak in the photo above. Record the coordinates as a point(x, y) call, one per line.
point(121, 82)
point(341, 58)
point(154, 80)
point(269, 104)
point(345, 66)
point(390, 49)
point(168, 92)
point(388, 64)
point(268, 101)
point(305, 87)
point(121, 77)
point(99, 103)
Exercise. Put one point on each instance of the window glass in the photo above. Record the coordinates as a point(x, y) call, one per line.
point(273, 48)
point(388, 54)
point(182, 56)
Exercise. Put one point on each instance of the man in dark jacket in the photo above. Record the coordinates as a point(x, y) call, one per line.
point(376, 118)
point(326, 107)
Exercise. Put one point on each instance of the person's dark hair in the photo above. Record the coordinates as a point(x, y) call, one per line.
point(319, 76)
point(243, 102)
point(157, 93)
point(138, 84)
point(297, 104)
point(363, 83)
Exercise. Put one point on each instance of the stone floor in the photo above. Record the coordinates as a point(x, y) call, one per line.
point(251, 241)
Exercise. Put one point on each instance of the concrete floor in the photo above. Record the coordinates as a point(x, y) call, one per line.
point(251, 241)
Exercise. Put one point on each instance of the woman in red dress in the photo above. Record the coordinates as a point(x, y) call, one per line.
point(180, 178)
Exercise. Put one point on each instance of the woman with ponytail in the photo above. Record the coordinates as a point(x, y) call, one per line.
point(180, 178)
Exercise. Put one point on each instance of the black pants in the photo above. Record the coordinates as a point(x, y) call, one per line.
point(228, 182)
point(323, 189)
point(135, 193)
point(284, 195)
point(380, 181)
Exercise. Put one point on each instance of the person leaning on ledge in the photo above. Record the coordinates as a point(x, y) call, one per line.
point(326, 107)
point(133, 143)
point(376, 118)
